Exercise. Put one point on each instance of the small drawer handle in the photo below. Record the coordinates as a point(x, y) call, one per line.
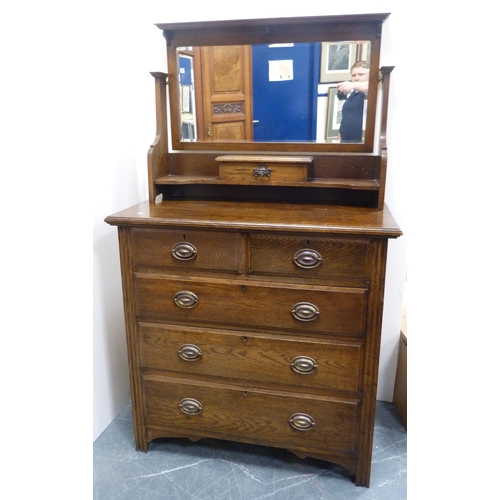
point(303, 365)
point(307, 258)
point(184, 251)
point(190, 406)
point(186, 299)
point(190, 352)
point(262, 172)
point(305, 311)
point(301, 422)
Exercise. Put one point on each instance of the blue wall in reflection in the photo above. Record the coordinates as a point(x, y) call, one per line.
point(285, 110)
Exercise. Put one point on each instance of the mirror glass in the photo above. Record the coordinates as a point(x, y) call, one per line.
point(286, 92)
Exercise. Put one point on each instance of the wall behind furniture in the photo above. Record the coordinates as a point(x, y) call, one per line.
point(125, 127)
point(125, 48)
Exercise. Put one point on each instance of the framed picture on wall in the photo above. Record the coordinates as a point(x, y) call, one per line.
point(336, 61)
point(333, 115)
point(363, 52)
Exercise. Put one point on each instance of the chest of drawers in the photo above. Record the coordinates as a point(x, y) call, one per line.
point(256, 322)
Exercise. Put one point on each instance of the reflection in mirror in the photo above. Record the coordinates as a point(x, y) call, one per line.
point(288, 92)
point(187, 95)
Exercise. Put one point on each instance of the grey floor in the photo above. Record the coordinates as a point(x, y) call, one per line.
point(219, 470)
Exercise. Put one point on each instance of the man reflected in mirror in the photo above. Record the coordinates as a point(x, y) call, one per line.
point(354, 92)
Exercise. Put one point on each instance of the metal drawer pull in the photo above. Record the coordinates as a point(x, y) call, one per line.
point(190, 352)
point(301, 422)
point(307, 259)
point(190, 406)
point(184, 251)
point(303, 365)
point(305, 311)
point(186, 299)
point(262, 172)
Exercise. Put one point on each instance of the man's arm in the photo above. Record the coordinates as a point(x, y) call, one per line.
point(346, 87)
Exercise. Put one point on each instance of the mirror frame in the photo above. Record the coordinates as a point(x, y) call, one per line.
point(269, 31)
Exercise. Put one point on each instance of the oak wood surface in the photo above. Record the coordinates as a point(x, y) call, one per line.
point(236, 259)
point(267, 305)
point(249, 413)
point(215, 250)
point(346, 166)
point(280, 217)
point(259, 357)
point(246, 286)
point(272, 255)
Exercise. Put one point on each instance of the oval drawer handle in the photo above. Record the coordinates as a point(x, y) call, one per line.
point(303, 365)
point(186, 299)
point(190, 352)
point(301, 422)
point(190, 406)
point(307, 259)
point(184, 251)
point(305, 311)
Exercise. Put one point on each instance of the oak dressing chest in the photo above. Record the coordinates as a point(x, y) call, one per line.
point(253, 277)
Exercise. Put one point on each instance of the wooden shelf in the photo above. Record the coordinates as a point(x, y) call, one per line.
point(356, 184)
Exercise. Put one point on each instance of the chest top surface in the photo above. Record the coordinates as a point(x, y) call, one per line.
point(260, 216)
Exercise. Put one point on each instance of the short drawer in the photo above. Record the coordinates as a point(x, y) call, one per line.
point(269, 359)
point(311, 309)
point(264, 169)
point(200, 250)
point(306, 257)
point(279, 419)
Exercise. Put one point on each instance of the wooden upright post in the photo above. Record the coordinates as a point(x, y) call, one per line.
point(158, 152)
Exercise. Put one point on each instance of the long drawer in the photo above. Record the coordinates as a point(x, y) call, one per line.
point(318, 309)
point(269, 359)
point(186, 250)
point(284, 419)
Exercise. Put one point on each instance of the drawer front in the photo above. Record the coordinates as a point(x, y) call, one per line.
point(309, 257)
point(258, 173)
point(261, 358)
point(312, 309)
point(280, 419)
point(200, 250)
